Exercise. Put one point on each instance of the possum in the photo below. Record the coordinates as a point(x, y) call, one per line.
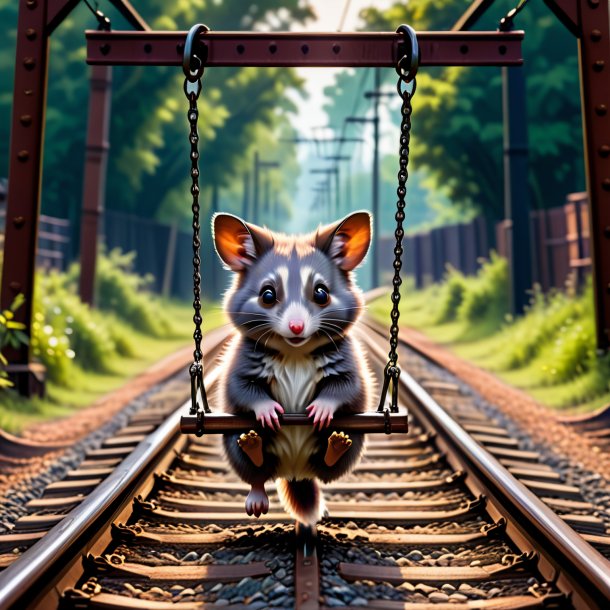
point(293, 301)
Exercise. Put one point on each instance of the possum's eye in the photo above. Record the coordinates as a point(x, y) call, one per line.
point(320, 294)
point(268, 296)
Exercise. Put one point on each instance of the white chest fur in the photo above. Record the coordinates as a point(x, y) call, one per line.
point(293, 380)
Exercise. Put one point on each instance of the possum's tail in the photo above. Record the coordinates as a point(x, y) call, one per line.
point(301, 499)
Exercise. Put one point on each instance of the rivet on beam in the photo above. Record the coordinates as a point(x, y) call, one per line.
point(593, 3)
point(105, 49)
point(28, 92)
point(606, 184)
point(15, 286)
point(18, 222)
point(601, 109)
point(607, 232)
point(31, 4)
point(596, 35)
point(30, 34)
point(598, 66)
point(23, 155)
point(29, 63)
point(25, 120)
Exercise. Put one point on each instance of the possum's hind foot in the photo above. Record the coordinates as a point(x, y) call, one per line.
point(338, 444)
point(257, 502)
point(252, 445)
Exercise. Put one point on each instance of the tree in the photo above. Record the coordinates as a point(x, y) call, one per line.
point(457, 120)
point(148, 162)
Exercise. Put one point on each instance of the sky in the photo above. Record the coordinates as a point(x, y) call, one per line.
point(329, 13)
point(310, 116)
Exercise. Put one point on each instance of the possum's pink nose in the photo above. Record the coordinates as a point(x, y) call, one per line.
point(296, 326)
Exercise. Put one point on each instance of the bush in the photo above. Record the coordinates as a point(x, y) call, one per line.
point(11, 334)
point(486, 295)
point(125, 293)
point(451, 296)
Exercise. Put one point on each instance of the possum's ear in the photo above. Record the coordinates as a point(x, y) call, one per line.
point(346, 241)
point(238, 243)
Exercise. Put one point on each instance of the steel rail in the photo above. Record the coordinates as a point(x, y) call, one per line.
point(585, 569)
point(575, 565)
point(284, 49)
point(30, 576)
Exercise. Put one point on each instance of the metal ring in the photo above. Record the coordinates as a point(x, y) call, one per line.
point(407, 65)
point(195, 53)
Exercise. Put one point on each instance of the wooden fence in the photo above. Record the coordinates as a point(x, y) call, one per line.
point(559, 237)
point(427, 254)
point(560, 242)
point(53, 241)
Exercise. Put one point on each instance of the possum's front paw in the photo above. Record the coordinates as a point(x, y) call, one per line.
point(322, 411)
point(266, 413)
point(257, 502)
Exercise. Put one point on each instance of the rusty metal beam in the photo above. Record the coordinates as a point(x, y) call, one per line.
point(131, 14)
point(57, 11)
point(588, 20)
point(471, 15)
point(336, 49)
point(94, 184)
point(594, 56)
point(567, 12)
point(25, 170)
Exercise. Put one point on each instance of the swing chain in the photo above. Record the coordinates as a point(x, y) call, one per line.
point(406, 68)
point(193, 65)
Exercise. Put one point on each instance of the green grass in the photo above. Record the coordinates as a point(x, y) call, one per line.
point(549, 352)
point(85, 387)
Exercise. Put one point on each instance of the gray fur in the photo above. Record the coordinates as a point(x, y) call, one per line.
point(336, 369)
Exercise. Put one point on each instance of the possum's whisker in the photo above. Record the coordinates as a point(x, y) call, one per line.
point(334, 332)
point(265, 333)
point(336, 348)
point(333, 328)
point(256, 323)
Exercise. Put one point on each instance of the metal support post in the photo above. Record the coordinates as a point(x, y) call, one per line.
point(516, 187)
point(376, 219)
point(255, 202)
point(94, 185)
point(589, 21)
point(25, 174)
point(246, 199)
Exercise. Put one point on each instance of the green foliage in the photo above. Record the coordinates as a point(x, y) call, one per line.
point(67, 335)
point(486, 295)
point(148, 167)
point(550, 350)
point(125, 293)
point(11, 334)
point(451, 296)
point(457, 112)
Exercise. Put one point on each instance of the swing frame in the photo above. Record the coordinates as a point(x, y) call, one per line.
point(36, 23)
point(202, 48)
point(196, 53)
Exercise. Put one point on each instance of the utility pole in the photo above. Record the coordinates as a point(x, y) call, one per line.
point(246, 198)
point(258, 165)
point(375, 195)
point(255, 197)
point(337, 159)
point(330, 171)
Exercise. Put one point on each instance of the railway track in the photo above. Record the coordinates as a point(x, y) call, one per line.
point(427, 520)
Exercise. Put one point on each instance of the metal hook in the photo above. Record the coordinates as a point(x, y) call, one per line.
point(195, 53)
point(407, 65)
point(197, 387)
